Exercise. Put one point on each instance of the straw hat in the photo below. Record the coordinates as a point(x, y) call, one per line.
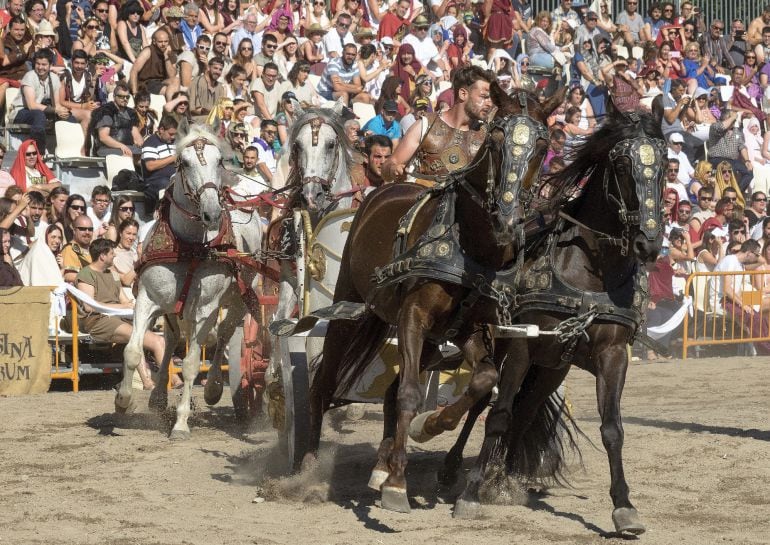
point(315, 28)
point(174, 12)
point(45, 29)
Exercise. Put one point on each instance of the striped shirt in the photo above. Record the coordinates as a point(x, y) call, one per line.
point(336, 67)
point(155, 148)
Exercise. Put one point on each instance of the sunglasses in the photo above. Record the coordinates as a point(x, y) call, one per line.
point(719, 28)
point(135, 12)
point(246, 48)
point(525, 63)
point(760, 200)
point(739, 232)
point(319, 3)
point(220, 43)
point(343, 25)
point(31, 154)
point(102, 10)
point(706, 199)
point(92, 27)
point(204, 48)
point(673, 170)
point(269, 46)
point(77, 207)
point(88, 229)
point(126, 208)
point(122, 96)
point(749, 57)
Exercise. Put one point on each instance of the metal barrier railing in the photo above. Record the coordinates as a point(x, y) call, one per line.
point(57, 371)
point(718, 321)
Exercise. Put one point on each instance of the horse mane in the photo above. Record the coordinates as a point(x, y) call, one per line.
point(589, 159)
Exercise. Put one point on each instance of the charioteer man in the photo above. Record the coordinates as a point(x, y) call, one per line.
point(439, 144)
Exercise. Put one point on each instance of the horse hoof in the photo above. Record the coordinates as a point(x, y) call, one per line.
point(158, 399)
point(627, 521)
point(468, 510)
point(124, 408)
point(377, 478)
point(395, 499)
point(416, 428)
point(179, 435)
point(212, 392)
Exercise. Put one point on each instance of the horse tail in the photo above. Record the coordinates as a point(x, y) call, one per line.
point(539, 452)
point(370, 334)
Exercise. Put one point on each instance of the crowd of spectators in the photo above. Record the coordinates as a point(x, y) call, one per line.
point(245, 69)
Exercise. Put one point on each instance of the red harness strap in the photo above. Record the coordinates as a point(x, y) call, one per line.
point(179, 306)
point(252, 201)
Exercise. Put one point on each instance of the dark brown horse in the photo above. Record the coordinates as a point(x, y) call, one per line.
point(486, 202)
point(585, 282)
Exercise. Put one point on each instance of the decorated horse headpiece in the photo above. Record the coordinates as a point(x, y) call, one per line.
point(647, 159)
point(521, 134)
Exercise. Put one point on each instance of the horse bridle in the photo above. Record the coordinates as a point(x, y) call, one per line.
point(315, 128)
point(194, 195)
point(521, 133)
point(646, 168)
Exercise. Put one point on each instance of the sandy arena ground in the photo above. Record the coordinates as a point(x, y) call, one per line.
point(697, 458)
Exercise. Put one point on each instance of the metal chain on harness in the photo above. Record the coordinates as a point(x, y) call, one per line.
point(503, 298)
point(571, 329)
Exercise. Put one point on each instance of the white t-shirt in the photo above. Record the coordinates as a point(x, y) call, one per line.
point(729, 263)
point(424, 50)
point(333, 43)
point(42, 91)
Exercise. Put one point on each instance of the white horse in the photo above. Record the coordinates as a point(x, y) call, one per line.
point(321, 162)
point(195, 217)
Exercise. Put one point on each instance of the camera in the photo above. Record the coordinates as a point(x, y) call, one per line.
point(739, 34)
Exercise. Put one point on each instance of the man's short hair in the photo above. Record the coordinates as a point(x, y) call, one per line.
point(377, 140)
point(168, 122)
point(123, 86)
point(721, 204)
point(673, 160)
point(141, 96)
point(270, 66)
point(267, 123)
point(35, 197)
point(558, 134)
point(344, 15)
point(101, 190)
point(705, 190)
point(216, 60)
point(16, 20)
point(678, 83)
point(750, 245)
point(203, 38)
point(251, 148)
point(351, 46)
point(191, 8)
point(468, 75)
point(99, 247)
point(736, 225)
point(43, 54)
point(80, 54)
point(269, 38)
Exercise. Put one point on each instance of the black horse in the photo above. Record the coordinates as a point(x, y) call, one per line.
point(585, 282)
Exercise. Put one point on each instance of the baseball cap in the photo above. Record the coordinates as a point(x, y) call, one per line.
point(289, 95)
point(421, 103)
point(676, 138)
point(390, 106)
point(592, 15)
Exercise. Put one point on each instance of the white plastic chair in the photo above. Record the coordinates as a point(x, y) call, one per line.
point(365, 112)
point(314, 80)
point(69, 140)
point(116, 163)
point(156, 103)
point(8, 127)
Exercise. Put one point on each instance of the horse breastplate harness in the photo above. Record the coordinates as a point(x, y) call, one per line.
point(542, 288)
point(444, 149)
point(438, 255)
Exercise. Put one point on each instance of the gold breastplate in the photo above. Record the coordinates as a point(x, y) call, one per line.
point(444, 149)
